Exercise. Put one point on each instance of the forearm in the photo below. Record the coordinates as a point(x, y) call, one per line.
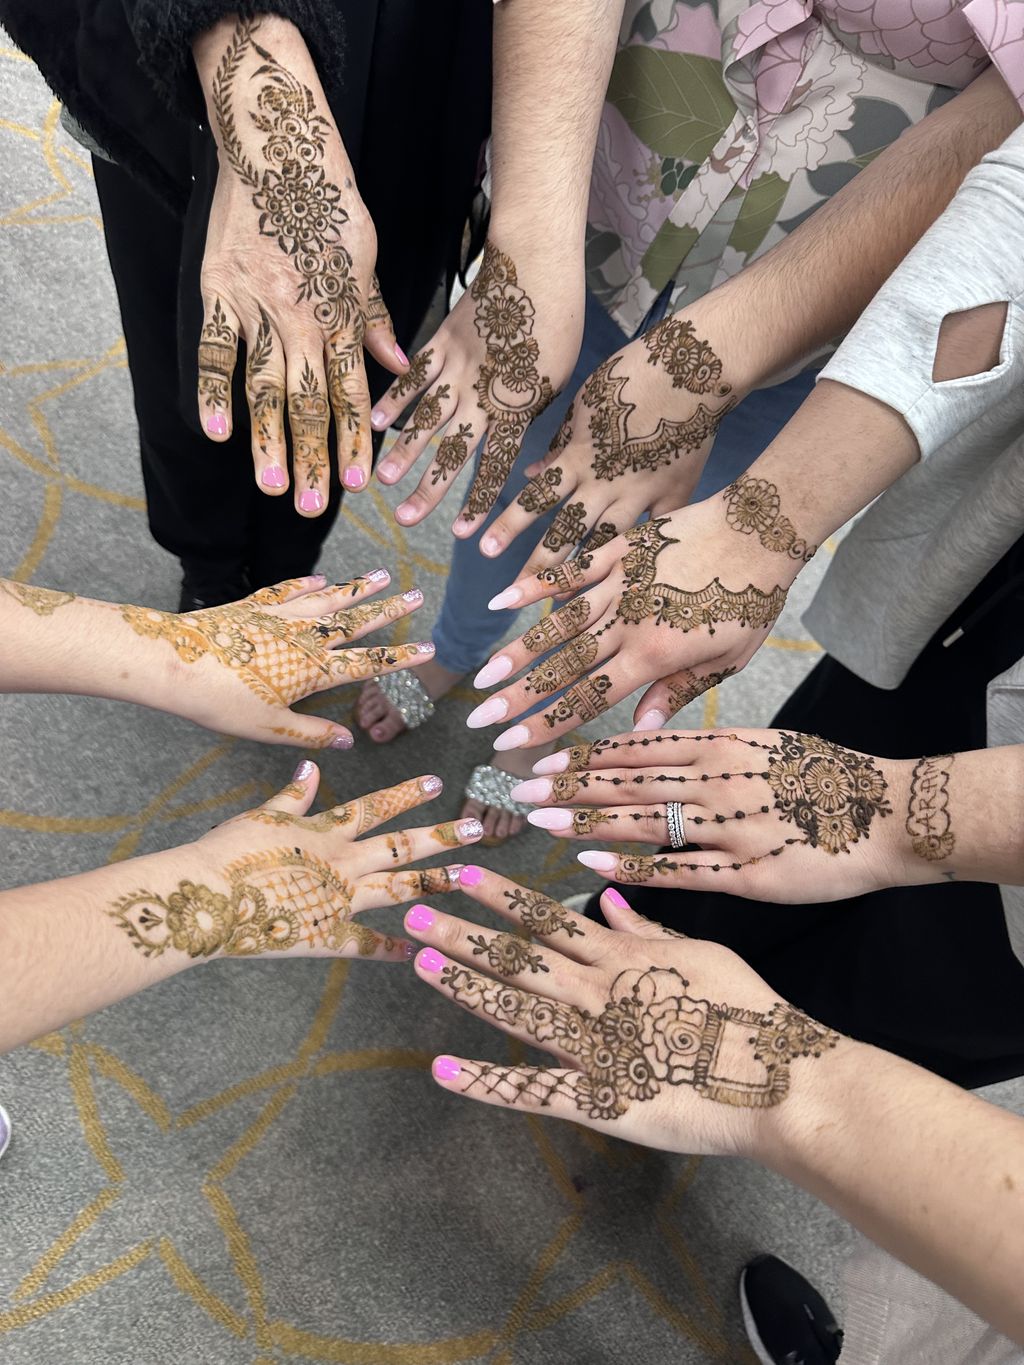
point(927, 1171)
point(552, 63)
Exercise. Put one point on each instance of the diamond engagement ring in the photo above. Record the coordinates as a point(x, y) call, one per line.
point(676, 825)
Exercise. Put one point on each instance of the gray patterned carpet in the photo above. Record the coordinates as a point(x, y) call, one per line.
point(248, 1164)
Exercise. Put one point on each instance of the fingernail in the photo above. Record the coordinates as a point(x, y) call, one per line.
point(304, 770)
point(377, 418)
point(550, 819)
point(405, 511)
point(554, 763)
point(597, 862)
point(431, 785)
point(471, 875)
point(273, 477)
point(468, 829)
point(651, 720)
point(461, 527)
point(353, 477)
point(430, 961)
point(508, 598)
point(411, 949)
point(217, 424)
point(320, 578)
point(516, 738)
point(490, 545)
point(613, 898)
point(387, 471)
point(424, 647)
point(378, 576)
point(446, 1068)
point(535, 789)
point(403, 358)
point(454, 872)
point(420, 917)
point(413, 595)
point(493, 672)
point(488, 713)
point(311, 500)
point(341, 742)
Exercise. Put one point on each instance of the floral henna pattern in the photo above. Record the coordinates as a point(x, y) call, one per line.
point(541, 493)
point(541, 916)
point(568, 528)
point(275, 901)
point(752, 508)
point(427, 413)
point(585, 700)
point(218, 345)
point(507, 954)
point(652, 1035)
point(830, 793)
point(309, 416)
point(415, 376)
point(929, 823)
point(561, 668)
point(687, 686)
point(264, 392)
point(452, 453)
point(41, 601)
point(510, 388)
point(690, 362)
point(559, 626)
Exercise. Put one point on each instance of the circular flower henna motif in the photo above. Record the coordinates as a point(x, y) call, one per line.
point(199, 920)
point(752, 505)
point(691, 362)
point(832, 794)
point(504, 315)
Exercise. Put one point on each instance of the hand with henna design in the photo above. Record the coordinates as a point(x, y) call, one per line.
point(288, 266)
point(634, 440)
point(679, 602)
point(497, 360)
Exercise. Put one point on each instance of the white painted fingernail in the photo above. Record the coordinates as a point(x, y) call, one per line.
point(508, 598)
point(488, 713)
point(493, 672)
point(516, 738)
point(550, 819)
point(535, 789)
point(651, 720)
point(553, 763)
point(598, 862)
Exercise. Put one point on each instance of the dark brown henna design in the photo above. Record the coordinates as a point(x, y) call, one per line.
point(376, 309)
point(752, 507)
point(581, 754)
point(558, 626)
point(508, 954)
point(218, 344)
point(343, 362)
point(309, 416)
point(691, 363)
point(568, 528)
point(830, 793)
point(415, 376)
point(540, 494)
point(541, 916)
point(570, 661)
point(427, 413)
point(689, 686)
point(452, 453)
point(265, 393)
point(585, 700)
point(929, 823)
point(564, 577)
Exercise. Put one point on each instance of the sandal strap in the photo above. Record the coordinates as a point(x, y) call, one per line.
point(492, 787)
point(408, 696)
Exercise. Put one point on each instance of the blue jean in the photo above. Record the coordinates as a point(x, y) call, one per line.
point(466, 632)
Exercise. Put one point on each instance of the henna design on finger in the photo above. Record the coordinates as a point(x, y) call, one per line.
point(540, 915)
point(690, 685)
point(581, 754)
point(309, 416)
point(568, 528)
point(570, 661)
point(376, 309)
point(928, 819)
point(752, 507)
point(343, 361)
point(40, 601)
point(265, 393)
point(218, 345)
point(541, 493)
point(427, 413)
point(415, 376)
point(348, 622)
point(601, 535)
point(585, 700)
point(508, 954)
point(564, 578)
point(452, 453)
point(558, 627)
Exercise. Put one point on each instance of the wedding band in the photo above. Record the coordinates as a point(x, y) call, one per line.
point(676, 825)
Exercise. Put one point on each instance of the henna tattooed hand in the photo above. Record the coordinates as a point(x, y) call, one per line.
point(678, 601)
point(278, 880)
point(497, 360)
point(239, 668)
point(766, 814)
point(288, 266)
point(670, 1042)
point(634, 440)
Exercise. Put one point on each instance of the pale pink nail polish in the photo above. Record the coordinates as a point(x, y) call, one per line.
point(551, 819)
point(651, 720)
point(217, 424)
point(535, 789)
point(342, 742)
point(508, 598)
point(273, 477)
point(516, 738)
point(553, 763)
point(405, 511)
point(311, 500)
point(377, 418)
point(490, 545)
point(378, 576)
point(613, 898)
point(468, 829)
point(430, 961)
point(471, 875)
point(304, 770)
point(430, 785)
point(493, 672)
point(597, 862)
point(402, 357)
point(488, 713)
point(388, 471)
point(353, 477)
point(420, 917)
point(446, 1069)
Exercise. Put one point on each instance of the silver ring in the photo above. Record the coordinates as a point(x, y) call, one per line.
point(676, 825)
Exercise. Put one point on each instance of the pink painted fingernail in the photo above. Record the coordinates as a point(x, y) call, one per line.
point(446, 1069)
point(311, 500)
point(554, 763)
point(388, 471)
point(377, 418)
point(273, 477)
point(403, 358)
point(493, 672)
point(217, 424)
point(613, 898)
point(430, 961)
point(344, 741)
point(597, 862)
point(651, 720)
point(535, 789)
point(488, 713)
point(420, 917)
point(516, 738)
point(413, 595)
point(378, 576)
point(431, 785)
point(471, 875)
point(551, 819)
point(468, 829)
point(490, 545)
point(304, 770)
point(353, 477)
point(508, 598)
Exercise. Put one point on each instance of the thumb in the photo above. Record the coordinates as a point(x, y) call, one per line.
point(620, 915)
point(379, 338)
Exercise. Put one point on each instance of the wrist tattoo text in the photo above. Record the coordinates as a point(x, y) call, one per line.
point(929, 823)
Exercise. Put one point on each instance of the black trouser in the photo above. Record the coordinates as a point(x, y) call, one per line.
point(924, 971)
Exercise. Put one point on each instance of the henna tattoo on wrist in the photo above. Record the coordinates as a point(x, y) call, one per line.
point(40, 601)
point(651, 1035)
point(508, 954)
point(275, 901)
point(452, 453)
point(426, 415)
point(929, 822)
point(510, 388)
point(752, 507)
point(558, 627)
point(415, 376)
point(218, 345)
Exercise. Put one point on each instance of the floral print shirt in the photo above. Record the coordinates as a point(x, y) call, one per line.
point(727, 122)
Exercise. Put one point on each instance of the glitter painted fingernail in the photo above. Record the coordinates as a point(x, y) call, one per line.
point(431, 784)
point(304, 770)
point(341, 742)
point(468, 829)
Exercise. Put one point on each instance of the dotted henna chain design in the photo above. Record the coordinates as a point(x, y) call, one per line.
point(752, 508)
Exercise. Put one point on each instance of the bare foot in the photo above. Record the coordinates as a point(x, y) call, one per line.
point(382, 720)
point(499, 824)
